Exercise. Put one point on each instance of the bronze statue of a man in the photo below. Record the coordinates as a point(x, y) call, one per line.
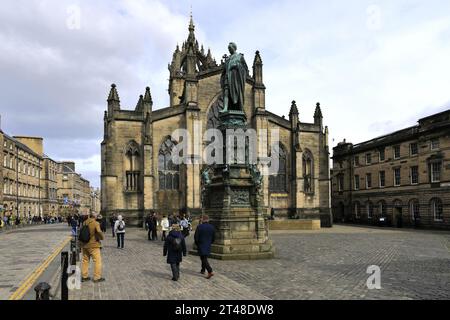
point(233, 80)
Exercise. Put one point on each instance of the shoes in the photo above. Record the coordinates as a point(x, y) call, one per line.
point(174, 279)
point(85, 279)
point(202, 271)
point(210, 274)
point(99, 280)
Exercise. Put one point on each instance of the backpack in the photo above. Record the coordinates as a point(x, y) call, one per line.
point(176, 244)
point(120, 226)
point(84, 235)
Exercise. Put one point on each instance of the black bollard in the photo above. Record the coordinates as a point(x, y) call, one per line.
point(64, 276)
point(42, 291)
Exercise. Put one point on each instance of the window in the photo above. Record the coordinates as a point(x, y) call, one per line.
point(368, 180)
point(356, 182)
point(5, 160)
point(435, 171)
point(381, 154)
point(413, 150)
point(169, 173)
point(397, 177)
point(414, 175)
point(357, 209)
point(308, 172)
point(368, 158)
point(435, 144)
point(396, 152)
point(436, 209)
point(369, 209)
point(340, 182)
point(382, 209)
point(414, 209)
point(356, 160)
point(382, 179)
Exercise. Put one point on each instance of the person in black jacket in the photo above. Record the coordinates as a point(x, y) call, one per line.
point(102, 221)
point(174, 249)
point(149, 226)
point(204, 236)
point(155, 226)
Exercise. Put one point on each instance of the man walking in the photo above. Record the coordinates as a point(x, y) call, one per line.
point(119, 229)
point(91, 249)
point(155, 226)
point(174, 248)
point(112, 221)
point(149, 226)
point(204, 237)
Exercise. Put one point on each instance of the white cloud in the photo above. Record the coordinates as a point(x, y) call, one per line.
point(54, 80)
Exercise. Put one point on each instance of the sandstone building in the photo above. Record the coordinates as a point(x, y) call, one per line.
point(138, 175)
point(33, 184)
point(403, 176)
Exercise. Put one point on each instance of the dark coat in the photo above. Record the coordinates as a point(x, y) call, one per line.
point(174, 256)
point(149, 223)
point(204, 237)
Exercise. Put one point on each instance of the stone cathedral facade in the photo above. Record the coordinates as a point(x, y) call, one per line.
point(137, 174)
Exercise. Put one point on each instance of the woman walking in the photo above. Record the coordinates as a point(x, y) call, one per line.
point(175, 249)
point(119, 230)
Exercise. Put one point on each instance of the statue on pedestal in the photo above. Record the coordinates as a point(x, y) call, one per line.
point(233, 80)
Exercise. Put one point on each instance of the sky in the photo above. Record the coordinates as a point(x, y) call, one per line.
point(375, 66)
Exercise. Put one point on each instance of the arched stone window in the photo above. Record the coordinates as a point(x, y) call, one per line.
point(357, 209)
point(369, 209)
point(168, 172)
point(132, 167)
point(436, 209)
point(382, 208)
point(278, 181)
point(414, 209)
point(308, 172)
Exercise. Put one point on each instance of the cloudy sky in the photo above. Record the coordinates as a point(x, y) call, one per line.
point(375, 66)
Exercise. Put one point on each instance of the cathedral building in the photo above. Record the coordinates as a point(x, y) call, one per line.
point(138, 174)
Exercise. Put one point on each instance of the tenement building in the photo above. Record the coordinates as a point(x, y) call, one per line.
point(138, 174)
point(403, 177)
point(32, 184)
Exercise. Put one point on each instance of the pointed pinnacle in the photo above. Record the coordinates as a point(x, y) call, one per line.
point(113, 95)
point(148, 95)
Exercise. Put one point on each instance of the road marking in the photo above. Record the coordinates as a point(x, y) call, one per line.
point(30, 279)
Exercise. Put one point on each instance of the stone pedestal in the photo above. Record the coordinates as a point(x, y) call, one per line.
point(233, 201)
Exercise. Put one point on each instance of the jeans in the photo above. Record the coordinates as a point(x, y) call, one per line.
point(93, 253)
point(163, 237)
point(175, 270)
point(150, 234)
point(120, 239)
point(205, 264)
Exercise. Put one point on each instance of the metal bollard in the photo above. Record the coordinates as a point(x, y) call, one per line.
point(64, 275)
point(42, 291)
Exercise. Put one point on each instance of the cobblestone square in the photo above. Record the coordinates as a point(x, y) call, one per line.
point(323, 264)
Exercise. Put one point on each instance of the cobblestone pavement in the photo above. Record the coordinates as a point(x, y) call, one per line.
point(22, 250)
point(323, 264)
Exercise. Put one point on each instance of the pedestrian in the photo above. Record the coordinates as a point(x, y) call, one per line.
point(155, 227)
point(204, 236)
point(102, 222)
point(119, 230)
point(184, 223)
point(164, 227)
point(112, 221)
point(149, 226)
point(174, 248)
point(91, 249)
point(74, 225)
